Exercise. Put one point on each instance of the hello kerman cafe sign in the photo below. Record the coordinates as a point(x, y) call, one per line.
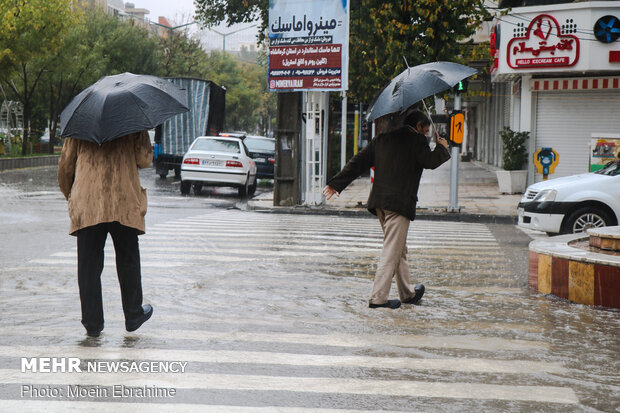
point(543, 46)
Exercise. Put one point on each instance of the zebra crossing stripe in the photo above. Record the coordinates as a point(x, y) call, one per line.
point(469, 365)
point(37, 406)
point(276, 322)
point(463, 342)
point(373, 387)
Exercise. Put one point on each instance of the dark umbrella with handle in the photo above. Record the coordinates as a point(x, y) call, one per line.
point(416, 83)
point(118, 105)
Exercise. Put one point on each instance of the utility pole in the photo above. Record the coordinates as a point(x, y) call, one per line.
point(229, 33)
point(454, 165)
point(343, 133)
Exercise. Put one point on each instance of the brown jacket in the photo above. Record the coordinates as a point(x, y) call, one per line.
point(399, 157)
point(102, 184)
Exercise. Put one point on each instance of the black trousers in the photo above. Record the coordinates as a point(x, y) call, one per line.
point(90, 245)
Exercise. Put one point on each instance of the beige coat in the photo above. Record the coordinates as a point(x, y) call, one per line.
point(101, 183)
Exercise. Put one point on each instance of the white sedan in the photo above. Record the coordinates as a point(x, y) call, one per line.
point(218, 161)
point(573, 203)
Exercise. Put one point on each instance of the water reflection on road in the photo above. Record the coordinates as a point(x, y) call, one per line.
point(271, 310)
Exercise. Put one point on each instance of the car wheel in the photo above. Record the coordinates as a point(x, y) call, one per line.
point(243, 190)
point(185, 187)
point(586, 218)
point(197, 189)
point(252, 188)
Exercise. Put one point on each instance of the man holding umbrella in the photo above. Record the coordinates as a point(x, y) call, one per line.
point(399, 157)
point(106, 142)
point(103, 189)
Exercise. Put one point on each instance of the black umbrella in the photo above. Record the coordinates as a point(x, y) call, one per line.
point(416, 83)
point(118, 105)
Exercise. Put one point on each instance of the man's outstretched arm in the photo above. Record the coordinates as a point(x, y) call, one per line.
point(359, 164)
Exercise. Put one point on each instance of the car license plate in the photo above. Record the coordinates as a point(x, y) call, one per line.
point(260, 160)
point(208, 162)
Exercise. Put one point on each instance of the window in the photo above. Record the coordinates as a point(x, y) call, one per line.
point(260, 145)
point(216, 145)
point(611, 169)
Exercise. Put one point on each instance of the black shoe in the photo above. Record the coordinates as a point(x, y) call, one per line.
point(93, 333)
point(393, 304)
point(133, 325)
point(419, 292)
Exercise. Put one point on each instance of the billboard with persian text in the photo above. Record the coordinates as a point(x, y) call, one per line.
point(308, 45)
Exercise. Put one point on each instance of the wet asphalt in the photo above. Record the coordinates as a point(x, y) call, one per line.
point(269, 311)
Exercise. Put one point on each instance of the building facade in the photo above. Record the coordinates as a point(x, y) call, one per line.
point(556, 74)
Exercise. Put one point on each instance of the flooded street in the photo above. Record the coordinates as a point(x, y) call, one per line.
point(270, 313)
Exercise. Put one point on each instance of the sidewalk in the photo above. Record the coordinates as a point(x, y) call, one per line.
point(478, 197)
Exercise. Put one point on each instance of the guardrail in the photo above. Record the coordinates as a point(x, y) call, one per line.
point(29, 162)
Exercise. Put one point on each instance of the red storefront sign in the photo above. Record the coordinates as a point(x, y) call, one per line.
point(543, 45)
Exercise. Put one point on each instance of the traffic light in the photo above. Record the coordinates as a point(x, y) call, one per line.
point(461, 87)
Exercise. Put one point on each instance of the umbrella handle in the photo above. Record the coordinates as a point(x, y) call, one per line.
point(431, 119)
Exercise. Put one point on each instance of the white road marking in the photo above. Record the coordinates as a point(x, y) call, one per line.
point(398, 388)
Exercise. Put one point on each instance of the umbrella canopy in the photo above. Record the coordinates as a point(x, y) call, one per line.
point(416, 83)
point(118, 105)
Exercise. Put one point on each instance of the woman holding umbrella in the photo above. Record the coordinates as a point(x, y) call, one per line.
point(106, 142)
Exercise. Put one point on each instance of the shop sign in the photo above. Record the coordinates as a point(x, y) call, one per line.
point(603, 149)
point(308, 45)
point(543, 46)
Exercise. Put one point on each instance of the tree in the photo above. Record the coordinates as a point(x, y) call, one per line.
point(244, 90)
point(31, 33)
point(76, 65)
point(181, 55)
point(213, 12)
point(99, 45)
point(421, 31)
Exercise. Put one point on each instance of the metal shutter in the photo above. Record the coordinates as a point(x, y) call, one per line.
point(565, 121)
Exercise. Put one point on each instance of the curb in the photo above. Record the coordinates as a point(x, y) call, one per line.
point(354, 212)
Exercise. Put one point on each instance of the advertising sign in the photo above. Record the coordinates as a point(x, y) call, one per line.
point(603, 149)
point(308, 45)
point(543, 45)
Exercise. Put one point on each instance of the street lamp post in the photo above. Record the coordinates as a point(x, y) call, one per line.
point(229, 33)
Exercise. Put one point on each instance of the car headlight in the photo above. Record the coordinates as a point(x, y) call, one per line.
point(547, 195)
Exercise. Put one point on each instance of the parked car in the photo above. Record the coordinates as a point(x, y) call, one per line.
point(234, 134)
point(218, 161)
point(151, 133)
point(45, 138)
point(574, 203)
point(263, 151)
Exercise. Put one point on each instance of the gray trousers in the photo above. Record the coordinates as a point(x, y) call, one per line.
point(393, 259)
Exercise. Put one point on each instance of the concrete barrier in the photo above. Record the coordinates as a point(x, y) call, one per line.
point(29, 162)
point(567, 267)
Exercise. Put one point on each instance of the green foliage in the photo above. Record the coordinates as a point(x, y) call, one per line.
point(421, 31)
point(248, 104)
point(31, 33)
point(181, 55)
point(514, 153)
point(92, 44)
point(213, 12)
point(31, 28)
